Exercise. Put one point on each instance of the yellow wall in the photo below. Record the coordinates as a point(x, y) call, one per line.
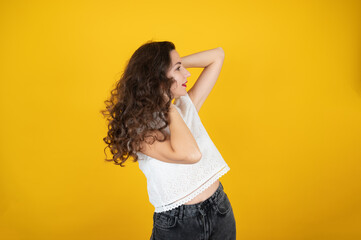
point(285, 114)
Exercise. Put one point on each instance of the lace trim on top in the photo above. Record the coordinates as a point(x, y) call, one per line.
point(192, 195)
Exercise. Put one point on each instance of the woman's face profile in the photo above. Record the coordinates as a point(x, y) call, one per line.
point(179, 74)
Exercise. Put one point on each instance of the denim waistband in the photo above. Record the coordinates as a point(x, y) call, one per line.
point(194, 209)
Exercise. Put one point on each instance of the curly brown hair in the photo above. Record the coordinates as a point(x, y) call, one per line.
point(138, 102)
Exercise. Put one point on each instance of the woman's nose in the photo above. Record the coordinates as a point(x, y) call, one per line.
point(187, 74)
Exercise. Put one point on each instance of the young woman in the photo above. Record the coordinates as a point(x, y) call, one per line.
point(168, 140)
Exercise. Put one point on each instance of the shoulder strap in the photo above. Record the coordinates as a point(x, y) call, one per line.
point(189, 102)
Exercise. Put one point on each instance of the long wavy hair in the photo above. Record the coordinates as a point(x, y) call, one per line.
point(137, 102)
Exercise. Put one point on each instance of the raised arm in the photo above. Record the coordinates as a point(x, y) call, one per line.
point(212, 62)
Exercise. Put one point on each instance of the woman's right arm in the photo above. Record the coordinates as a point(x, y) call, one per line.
point(180, 147)
point(181, 138)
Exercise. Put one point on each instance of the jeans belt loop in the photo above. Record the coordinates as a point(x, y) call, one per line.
point(181, 210)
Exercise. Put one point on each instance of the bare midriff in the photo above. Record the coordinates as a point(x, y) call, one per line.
point(205, 194)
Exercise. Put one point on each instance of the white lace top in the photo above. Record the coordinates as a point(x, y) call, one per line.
point(170, 185)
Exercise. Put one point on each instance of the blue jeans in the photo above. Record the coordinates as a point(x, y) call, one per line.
point(211, 219)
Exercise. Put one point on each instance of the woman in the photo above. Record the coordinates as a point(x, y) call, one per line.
point(168, 140)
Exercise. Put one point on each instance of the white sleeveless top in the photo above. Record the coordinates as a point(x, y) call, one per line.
point(170, 185)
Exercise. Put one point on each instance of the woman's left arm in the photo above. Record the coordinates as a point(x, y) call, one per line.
point(212, 61)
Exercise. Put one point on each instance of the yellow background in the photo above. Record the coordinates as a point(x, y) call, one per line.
point(285, 114)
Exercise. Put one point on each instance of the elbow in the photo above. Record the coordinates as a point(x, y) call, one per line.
point(196, 157)
point(221, 52)
point(199, 157)
point(192, 158)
